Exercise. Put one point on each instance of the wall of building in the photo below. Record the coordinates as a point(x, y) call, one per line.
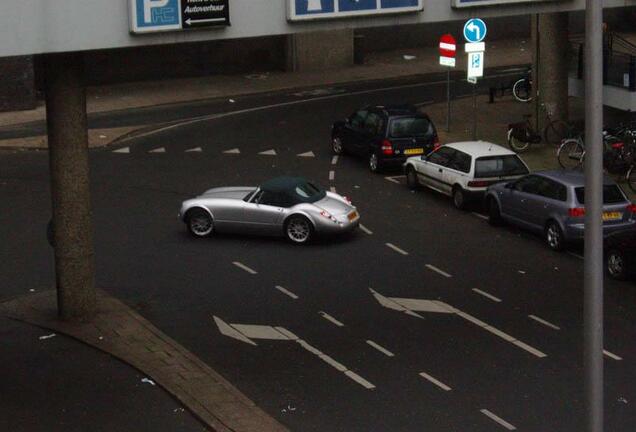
point(17, 90)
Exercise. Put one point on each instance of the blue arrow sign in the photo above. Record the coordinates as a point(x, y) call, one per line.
point(475, 30)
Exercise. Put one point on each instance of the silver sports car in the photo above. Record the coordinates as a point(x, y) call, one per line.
point(289, 206)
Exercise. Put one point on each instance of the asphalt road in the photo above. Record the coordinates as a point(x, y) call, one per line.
point(509, 357)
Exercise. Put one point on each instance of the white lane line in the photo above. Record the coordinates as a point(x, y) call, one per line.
point(397, 249)
point(365, 229)
point(232, 151)
point(383, 350)
point(393, 179)
point(435, 381)
point(158, 150)
point(332, 175)
point(308, 154)
point(544, 322)
point(437, 270)
point(497, 419)
point(244, 267)
point(328, 317)
point(479, 215)
point(357, 378)
point(122, 150)
point(270, 152)
point(194, 150)
point(286, 292)
point(576, 255)
point(612, 355)
point(332, 189)
point(334, 160)
point(485, 294)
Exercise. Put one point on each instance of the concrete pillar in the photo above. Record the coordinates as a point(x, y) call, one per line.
point(551, 63)
point(70, 189)
point(322, 50)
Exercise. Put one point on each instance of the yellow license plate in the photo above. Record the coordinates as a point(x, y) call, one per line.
point(609, 216)
point(414, 151)
point(353, 215)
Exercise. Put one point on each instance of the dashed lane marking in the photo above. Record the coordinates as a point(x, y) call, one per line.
point(232, 151)
point(332, 175)
point(612, 355)
point(331, 319)
point(158, 150)
point(286, 292)
point(394, 179)
point(334, 160)
point(485, 294)
point(365, 230)
point(544, 322)
point(308, 154)
point(396, 249)
point(437, 270)
point(479, 215)
point(383, 350)
point(122, 150)
point(270, 152)
point(357, 378)
point(194, 150)
point(435, 381)
point(497, 419)
point(576, 255)
point(332, 189)
point(244, 267)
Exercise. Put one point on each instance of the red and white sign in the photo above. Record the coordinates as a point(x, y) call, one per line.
point(447, 49)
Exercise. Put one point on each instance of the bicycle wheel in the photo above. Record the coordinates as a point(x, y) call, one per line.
point(631, 178)
point(522, 90)
point(570, 154)
point(516, 144)
point(556, 131)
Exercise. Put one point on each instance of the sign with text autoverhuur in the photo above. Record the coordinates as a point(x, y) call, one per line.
point(475, 3)
point(147, 16)
point(302, 10)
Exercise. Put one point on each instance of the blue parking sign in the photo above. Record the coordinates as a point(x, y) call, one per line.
point(306, 7)
point(155, 15)
point(357, 5)
point(298, 10)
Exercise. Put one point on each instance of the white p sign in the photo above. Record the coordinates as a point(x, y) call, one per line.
point(149, 5)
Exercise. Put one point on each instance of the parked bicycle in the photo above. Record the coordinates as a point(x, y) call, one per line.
point(522, 135)
point(522, 89)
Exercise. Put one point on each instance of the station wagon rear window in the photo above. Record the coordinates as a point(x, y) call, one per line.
point(499, 166)
point(411, 127)
point(612, 194)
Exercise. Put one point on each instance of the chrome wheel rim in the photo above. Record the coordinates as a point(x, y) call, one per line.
point(298, 230)
point(554, 238)
point(373, 162)
point(336, 144)
point(458, 198)
point(615, 264)
point(201, 225)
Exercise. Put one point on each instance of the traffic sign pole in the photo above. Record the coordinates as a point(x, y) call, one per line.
point(448, 100)
point(447, 50)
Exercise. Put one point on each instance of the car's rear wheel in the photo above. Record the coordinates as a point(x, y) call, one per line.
point(336, 146)
point(459, 198)
point(615, 264)
point(554, 236)
point(199, 223)
point(411, 178)
point(298, 229)
point(374, 162)
point(494, 213)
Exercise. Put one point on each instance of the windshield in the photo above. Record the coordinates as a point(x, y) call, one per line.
point(498, 166)
point(411, 127)
point(612, 194)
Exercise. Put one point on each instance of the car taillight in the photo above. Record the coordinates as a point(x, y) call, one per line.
point(618, 145)
point(328, 215)
point(346, 199)
point(478, 183)
point(387, 147)
point(436, 143)
point(631, 208)
point(576, 212)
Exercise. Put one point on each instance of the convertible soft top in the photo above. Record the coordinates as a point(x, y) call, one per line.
point(298, 189)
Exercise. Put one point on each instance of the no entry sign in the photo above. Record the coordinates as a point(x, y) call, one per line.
point(447, 49)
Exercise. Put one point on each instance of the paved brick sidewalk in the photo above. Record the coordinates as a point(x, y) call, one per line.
point(120, 331)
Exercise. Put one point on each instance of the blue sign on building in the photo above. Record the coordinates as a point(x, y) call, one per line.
point(155, 15)
point(475, 30)
point(299, 10)
point(475, 3)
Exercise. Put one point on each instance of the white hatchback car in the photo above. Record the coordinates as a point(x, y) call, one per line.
point(464, 170)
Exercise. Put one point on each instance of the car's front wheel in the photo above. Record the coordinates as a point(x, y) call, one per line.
point(554, 236)
point(615, 264)
point(411, 178)
point(199, 223)
point(298, 229)
point(494, 213)
point(336, 146)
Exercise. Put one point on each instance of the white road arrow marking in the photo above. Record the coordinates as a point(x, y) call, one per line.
point(122, 150)
point(411, 306)
point(309, 154)
point(232, 151)
point(271, 152)
point(247, 332)
point(158, 150)
point(195, 150)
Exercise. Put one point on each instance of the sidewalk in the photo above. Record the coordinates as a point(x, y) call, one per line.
point(378, 66)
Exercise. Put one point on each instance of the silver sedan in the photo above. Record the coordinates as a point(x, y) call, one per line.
point(289, 206)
